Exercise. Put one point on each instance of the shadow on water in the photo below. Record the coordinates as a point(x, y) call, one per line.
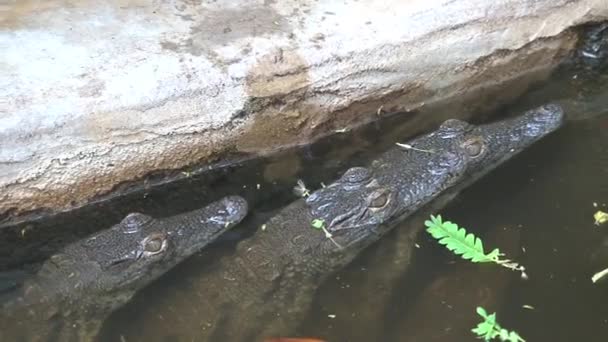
point(538, 208)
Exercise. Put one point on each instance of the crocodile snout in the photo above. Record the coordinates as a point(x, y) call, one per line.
point(544, 120)
point(232, 209)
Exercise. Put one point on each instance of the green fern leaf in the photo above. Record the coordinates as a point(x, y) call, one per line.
point(456, 239)
point(489, 329)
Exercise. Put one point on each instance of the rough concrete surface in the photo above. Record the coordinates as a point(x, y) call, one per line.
point(97, 93)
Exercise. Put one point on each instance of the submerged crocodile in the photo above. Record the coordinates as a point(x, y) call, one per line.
point(77, 288)
point(593, 51)
point(265, 287)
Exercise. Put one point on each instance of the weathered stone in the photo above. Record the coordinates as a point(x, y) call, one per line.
point(95, 94)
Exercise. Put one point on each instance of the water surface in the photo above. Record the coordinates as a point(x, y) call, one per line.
point(538, 208)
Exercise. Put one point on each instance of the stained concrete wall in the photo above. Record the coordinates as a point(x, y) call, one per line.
point(97, 93)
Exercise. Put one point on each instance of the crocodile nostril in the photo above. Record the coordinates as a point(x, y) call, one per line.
point(133, 222)
point(234, 208)
point(356, 175)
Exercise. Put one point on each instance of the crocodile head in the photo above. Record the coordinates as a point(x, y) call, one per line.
point(401, 181)
point(593, 51)
point(354, 200)
point(487, 146)
point(105, 270)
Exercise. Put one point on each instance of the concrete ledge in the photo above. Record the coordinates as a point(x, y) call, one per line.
point(100, 93)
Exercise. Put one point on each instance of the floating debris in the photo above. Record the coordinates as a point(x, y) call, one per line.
point(599, 275)
point(467, 245)
point(600, 217)
point(320, 224)
point(410, 147)
point(300, 189)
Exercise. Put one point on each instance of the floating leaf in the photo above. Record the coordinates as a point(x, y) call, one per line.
point(514, 337)
point(600, 217)
point(489, 329)
point(456, 239)
point(318, 223)
point(482, 312)
point(468, 246)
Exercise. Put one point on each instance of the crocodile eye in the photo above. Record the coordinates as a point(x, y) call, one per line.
point(379, 200)
point(154, 244)
point(474, 148)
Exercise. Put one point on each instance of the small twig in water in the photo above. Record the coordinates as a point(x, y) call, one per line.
point(599, 275)
point(513, 266)
point(410, 147)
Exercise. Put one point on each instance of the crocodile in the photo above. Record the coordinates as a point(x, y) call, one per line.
point(593, 52)
point(265, 287)
point(77, 288)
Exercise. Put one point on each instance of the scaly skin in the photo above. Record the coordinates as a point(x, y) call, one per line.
point(265, 287)
point(77, 288)
point(593, 51)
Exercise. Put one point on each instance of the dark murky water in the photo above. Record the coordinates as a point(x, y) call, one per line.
point(537, 208)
